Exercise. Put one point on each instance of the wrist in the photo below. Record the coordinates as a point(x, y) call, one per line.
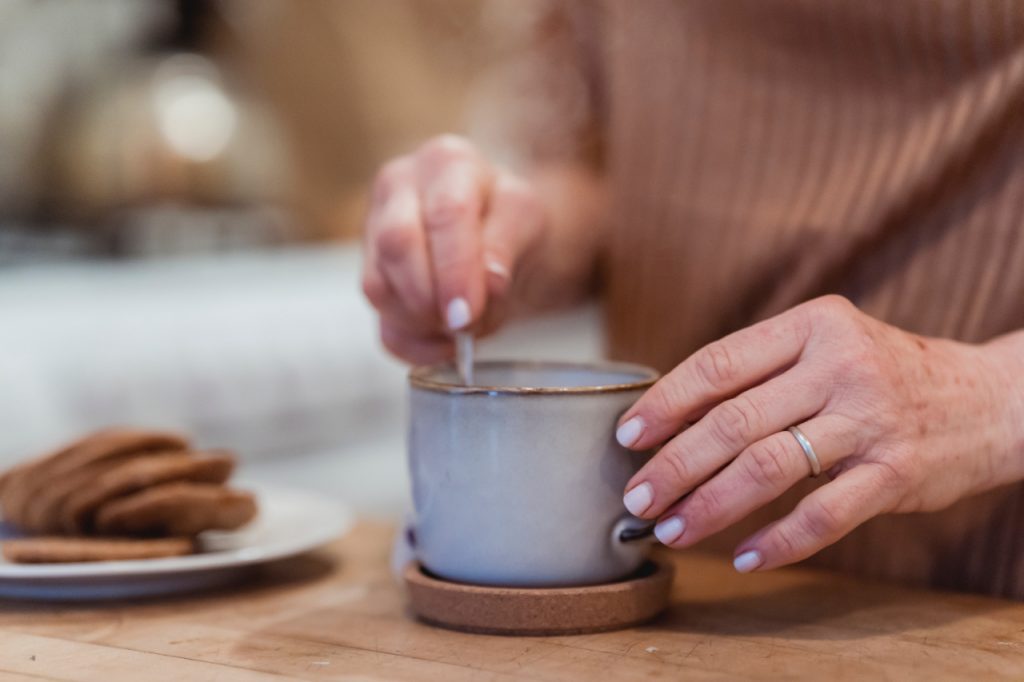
point(1004, 357)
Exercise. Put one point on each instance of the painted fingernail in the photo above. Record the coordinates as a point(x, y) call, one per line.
point(748, 561)
point(498, 269)
point(669, 530)
point(457, 313)
point(639, 498)
point(629, 433)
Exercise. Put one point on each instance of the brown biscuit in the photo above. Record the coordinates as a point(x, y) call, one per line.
point(43, 513)
point(35, 512)
point(176, 509)
point(74, 515)
point(25, 481)
point(15, 472)
point(47, 550)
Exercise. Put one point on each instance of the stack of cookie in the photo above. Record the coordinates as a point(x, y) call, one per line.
point(119, 494)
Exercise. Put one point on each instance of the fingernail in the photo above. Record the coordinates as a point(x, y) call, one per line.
point(457, 313)
point(669, 530)
point(748, 561)
point(639, 498)
point(629, 433)
point(498, 269)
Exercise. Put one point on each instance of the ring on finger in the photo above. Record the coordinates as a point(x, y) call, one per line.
point(805, 445)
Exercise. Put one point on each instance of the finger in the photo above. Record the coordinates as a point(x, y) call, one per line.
point(821, 518)
point(421, 350)
point(512, 225)
point(697, 453)
point(401, 323)
point(383, 298)
point(453, 183)
point(760, 474)
point(398, 243)
point(715, 372)
point(376, 289)
point(495, 313)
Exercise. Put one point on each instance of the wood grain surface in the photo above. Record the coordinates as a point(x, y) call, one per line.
point(337, 614)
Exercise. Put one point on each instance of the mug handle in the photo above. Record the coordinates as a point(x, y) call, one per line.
point(630, 529)
point(403, 549)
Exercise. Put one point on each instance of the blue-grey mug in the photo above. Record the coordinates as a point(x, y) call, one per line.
point(518, 479)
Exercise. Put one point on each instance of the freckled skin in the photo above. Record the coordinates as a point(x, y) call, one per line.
point(899, 422)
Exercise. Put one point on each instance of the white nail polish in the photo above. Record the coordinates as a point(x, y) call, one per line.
point(498, 269)
point(639, 499)
point(669, 530)
point(457, 313)
point(748, 561)
point(630, 432)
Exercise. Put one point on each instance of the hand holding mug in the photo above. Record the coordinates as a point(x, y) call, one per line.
point(899, 422)
point(444, 234)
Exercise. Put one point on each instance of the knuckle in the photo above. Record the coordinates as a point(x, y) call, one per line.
point(663, 400)
point(706, 503)
point(895, 476)
point(736, 422)
point(786, 542)
point(448, 146)
point(766, 463)
point(389, 177)
point(446, 209)
point(819, 520)
point(716, 366)
point(832, 306)
point(392, 170)
point(678, 469)
point(827, 317)
point(394, 242)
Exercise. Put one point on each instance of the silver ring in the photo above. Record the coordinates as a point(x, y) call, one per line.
point(808, 449)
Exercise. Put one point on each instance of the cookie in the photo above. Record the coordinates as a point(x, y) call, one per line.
point(176, 509)
point(36, 513)
point(74, 515)
point(24, 482)
point(47, 550)
point(12, 474)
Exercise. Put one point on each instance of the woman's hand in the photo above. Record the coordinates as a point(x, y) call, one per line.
point(444, 233)
point(900, 423)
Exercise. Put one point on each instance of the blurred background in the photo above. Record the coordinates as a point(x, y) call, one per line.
point(181, 189)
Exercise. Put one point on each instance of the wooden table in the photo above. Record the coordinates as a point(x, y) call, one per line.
point(337, 614)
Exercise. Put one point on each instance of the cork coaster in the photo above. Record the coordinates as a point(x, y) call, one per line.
point(539, 611)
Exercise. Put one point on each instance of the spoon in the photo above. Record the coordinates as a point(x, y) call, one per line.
point(464, 357)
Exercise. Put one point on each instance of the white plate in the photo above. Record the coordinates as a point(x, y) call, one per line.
point(289, 522)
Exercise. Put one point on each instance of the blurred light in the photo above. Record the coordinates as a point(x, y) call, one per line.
point(194, 115)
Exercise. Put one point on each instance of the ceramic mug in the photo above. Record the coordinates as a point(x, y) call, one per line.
point(518, 479)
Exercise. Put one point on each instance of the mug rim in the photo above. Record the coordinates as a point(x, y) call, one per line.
point(422, 377)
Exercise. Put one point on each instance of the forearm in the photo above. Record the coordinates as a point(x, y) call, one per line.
point(561, 270)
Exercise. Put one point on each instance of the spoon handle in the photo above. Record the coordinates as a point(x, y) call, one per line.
point(464, 357)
